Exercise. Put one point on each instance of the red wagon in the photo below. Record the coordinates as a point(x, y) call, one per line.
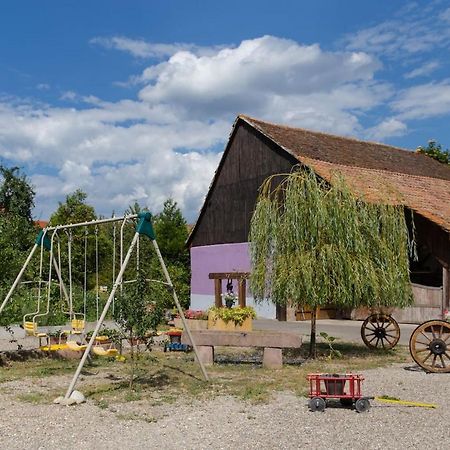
point(346, 388)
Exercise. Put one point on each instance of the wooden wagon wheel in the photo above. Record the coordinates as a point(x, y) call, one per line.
point(380, 331)
point(430, 346)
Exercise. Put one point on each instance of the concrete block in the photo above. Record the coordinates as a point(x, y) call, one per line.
point(272, 358)
point(206, 354)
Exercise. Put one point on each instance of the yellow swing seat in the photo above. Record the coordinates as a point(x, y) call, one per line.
point(72, 345)
point(53, 347)
point(31, 329)
point(100, 351)
point(77, 327)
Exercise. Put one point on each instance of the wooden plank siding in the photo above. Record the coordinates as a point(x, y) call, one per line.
point(435, 238)
point(248, 160)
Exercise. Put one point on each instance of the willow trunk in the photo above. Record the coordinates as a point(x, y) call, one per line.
point(312, 342)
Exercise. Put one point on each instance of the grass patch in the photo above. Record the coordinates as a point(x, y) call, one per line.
point(36, 398)
point(165, 378)
point(36, 368)
point(135, 416)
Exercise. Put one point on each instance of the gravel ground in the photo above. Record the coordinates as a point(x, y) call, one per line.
point(228, 423)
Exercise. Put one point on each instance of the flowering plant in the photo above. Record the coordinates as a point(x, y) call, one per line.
point(195, 314)
point(230, 299)
point(446, 315)
point(236, 315)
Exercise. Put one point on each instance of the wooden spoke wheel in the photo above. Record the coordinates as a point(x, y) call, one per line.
point(430, 346)
point(380, 331)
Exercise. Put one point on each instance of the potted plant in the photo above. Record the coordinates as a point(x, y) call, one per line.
point(231, 319)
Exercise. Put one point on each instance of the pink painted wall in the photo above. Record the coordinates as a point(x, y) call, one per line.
point(217, 258)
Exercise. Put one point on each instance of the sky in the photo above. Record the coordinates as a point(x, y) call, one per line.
point(134, 101)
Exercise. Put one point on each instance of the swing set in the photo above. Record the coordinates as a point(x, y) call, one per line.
point(49, 239)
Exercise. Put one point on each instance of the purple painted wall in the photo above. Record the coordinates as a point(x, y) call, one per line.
point(216, 258)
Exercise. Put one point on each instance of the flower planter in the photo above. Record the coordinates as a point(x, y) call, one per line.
point(215, 323)
point(193, 324)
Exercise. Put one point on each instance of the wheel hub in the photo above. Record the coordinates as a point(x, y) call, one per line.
point(437, 347)
point(380, 333)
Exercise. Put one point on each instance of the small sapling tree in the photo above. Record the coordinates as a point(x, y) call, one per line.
point(138, 313)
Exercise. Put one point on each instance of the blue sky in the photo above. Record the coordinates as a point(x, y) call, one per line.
point(133, 101)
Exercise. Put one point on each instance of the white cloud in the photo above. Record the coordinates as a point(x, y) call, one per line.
point(259, 74)
point(43, 86)
point(91, 149)
point(424, 69)
point(445, 15)
point(69, 95)
point(415, 31)
point(143, 49)
point(164, 143)
point(387, 128)
point(423, 101)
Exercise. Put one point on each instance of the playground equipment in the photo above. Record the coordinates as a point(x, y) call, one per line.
point(143, 226)
point(346, 388)
point(429, 343)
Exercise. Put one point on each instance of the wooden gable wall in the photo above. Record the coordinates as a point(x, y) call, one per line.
point(249, 159)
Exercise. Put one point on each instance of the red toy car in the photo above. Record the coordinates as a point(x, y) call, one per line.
point(347, 388)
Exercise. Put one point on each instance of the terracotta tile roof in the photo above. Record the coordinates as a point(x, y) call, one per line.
point(350, 152)
point(41, 223)
point(428, 197)
point(378, 172)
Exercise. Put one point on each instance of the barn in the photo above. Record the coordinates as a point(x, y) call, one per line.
point(256, 149)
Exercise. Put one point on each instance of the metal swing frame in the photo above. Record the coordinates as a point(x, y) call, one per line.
point(143, 227)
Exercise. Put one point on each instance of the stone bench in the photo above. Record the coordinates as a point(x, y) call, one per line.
point(272, 341)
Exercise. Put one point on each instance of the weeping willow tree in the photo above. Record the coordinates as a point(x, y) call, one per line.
point(314, 243)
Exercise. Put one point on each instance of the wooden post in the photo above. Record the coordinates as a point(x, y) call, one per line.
point(218, 292)
point(312, 343)
point(242, 292)
point(281, 313)
point(445, 288)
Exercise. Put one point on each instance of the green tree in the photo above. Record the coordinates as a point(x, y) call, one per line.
point(73, 210)
point(16, 224)
point(314, 244)
point(434, 150)
point(17, 234)
point(171, 233)
point(16, 193)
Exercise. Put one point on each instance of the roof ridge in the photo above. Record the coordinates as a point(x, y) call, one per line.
point(350, 138)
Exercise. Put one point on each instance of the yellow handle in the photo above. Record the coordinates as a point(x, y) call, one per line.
point(405, 403)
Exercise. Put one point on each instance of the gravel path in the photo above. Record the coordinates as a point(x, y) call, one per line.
point(228, 423)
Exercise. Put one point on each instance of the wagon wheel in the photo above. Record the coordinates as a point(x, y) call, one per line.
point(430, 346)
point(317, 404)
point(380, 331)
point(362, 405)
